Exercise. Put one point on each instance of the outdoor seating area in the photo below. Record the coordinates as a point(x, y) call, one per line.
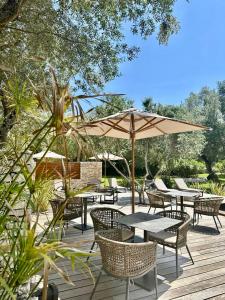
point(187, 267)
point(112, 150)
point(149, 254)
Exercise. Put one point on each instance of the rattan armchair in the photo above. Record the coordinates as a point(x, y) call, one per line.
point(174, 237)
point(157, 200)
point(125, 260)
point(103, 219)
point(208, 207)
point(67, 210)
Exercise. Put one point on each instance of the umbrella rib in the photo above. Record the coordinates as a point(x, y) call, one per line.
point(148, 122)
point(115, 125)
point(118, 127)
point(153, 125)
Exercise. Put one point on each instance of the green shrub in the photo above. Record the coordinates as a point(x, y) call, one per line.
point(44, 191)
point(220, 166)
point(188, 168)
point(168, 181)
point(211, 187)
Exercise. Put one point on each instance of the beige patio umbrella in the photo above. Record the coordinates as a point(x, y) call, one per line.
point(106, 156)
point(134, 125)
point(48, 154)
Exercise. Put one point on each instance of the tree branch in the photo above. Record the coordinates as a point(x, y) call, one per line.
point(72, 41)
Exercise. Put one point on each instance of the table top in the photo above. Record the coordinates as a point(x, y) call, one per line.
point(89, 194)
point(182, 193)
point(191, 195)
point(147, 222)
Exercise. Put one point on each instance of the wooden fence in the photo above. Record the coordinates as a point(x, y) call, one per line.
point(54, 170)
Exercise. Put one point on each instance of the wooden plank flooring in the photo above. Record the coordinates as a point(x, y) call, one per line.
point(203, 280)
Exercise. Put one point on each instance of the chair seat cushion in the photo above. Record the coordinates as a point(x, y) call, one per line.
point(127, 234)
point(163, 237)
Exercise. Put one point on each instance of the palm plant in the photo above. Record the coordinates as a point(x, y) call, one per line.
point(23, 251)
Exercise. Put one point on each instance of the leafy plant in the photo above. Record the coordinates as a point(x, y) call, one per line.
point(23, 251)
point(44, 191)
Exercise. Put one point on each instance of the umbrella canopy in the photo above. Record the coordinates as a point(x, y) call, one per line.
point(106, 156)
point(48, 154)
point(134, 124)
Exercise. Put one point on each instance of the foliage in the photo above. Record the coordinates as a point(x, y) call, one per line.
point(86, 36)
point(164, 153)
point(220, 166)
point(211, 187)
point(44, 191)
point(24, 252)
point(188, 168)
point(206, 108)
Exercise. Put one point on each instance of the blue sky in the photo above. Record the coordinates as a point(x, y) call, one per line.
point(193, 58)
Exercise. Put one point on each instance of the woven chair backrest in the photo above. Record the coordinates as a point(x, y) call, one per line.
point(124, 260)
point(103, 217)
point(180, 229)
point(208, 206)
point(55, 204)
point(155, 200)
point(68, 210)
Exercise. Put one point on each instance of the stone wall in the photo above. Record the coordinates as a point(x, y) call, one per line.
point(89, 172)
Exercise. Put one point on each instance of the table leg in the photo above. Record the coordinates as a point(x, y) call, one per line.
point(147, 281)
point(182, 203)
point(85, 213)
point(84, 226)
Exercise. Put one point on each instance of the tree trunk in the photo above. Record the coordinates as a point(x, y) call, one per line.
point(212, 175)
point(9, 118)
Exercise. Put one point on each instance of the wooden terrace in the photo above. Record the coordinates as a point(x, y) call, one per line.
point(203, 280)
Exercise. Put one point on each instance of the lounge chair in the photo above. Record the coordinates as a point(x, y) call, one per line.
point(181, 184)
point(160, 185)
point(113, 183)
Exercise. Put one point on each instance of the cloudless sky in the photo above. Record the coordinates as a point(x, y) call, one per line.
point(193, 58)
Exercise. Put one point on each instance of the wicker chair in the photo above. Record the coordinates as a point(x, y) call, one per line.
point(158, 201)
point(102, 218)
point(208, 207)
point(125, 260)
point(174, 237)
point(67, 210)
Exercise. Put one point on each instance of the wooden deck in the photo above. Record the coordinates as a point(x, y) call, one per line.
point(203, 280)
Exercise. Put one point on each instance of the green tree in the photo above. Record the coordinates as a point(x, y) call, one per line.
point(166, 151)
point(206, 108)
point(83, 40)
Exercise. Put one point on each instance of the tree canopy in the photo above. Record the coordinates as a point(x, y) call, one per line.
point(206, 107)
point(83, 40)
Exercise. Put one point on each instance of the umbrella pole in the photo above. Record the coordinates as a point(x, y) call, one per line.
point(105, 173)
point(133, 174)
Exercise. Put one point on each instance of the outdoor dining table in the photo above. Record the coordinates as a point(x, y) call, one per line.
point(148, 223)
point(192, 196)
point(85, 197)
point(182, 194)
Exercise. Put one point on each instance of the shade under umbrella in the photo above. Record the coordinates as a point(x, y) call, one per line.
point(106, 156)
point(134, 124)
point(48, 154)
